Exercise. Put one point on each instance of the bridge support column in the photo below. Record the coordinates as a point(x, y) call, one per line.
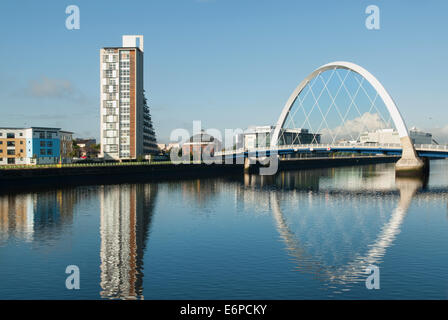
point(409, 164)
point(246, 164)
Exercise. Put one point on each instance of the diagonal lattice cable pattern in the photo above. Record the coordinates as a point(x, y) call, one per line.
point(336, 105)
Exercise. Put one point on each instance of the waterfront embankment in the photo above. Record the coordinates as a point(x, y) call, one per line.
point(54, 176)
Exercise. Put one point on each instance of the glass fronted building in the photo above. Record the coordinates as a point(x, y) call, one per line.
point(260, 136)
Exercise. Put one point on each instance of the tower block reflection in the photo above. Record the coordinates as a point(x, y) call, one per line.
point(126, 214)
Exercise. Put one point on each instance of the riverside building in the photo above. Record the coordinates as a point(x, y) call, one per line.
point(34, 145)
point(126, 125)
point(384, 136)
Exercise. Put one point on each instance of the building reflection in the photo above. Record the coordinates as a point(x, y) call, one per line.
point(36, 217)
point(203, 191)
point(16, 217)
point(126, 214)
point(288, 180)
point(373, 177)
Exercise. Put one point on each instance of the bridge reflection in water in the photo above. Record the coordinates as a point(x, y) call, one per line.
point(353, 271)
point(375, 187)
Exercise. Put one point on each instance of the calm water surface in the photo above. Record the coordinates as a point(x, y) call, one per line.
point(298, 235)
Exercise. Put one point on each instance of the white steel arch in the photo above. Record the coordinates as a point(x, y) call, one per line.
point(382, 92)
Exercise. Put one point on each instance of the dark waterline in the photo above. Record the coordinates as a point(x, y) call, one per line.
point(298, 235)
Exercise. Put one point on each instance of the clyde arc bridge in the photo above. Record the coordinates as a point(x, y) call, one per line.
point(336, 104)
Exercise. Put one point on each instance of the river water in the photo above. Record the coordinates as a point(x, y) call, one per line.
point(297, 235)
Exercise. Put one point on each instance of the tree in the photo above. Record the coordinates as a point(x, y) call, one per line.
point(75, 150)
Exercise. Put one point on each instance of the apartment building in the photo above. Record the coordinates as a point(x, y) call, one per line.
point(126, 125)
point(66, 146)
point(13, 146)
point(35, 145)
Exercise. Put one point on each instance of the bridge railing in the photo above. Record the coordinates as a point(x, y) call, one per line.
point(311, 147)
point(329, 147)
point(432, 147)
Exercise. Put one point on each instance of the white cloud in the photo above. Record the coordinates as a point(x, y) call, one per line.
point(53, 88)
point(440, 134)
point(352, 128)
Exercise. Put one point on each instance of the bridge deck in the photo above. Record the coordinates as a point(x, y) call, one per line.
point(423, 150)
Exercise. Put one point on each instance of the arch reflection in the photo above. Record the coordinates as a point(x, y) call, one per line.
point(403, 189)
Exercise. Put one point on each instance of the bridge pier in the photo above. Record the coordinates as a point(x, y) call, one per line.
point(409, 164)
point(246, 164)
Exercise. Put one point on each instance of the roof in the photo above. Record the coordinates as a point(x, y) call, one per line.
point(78, 140)
point(123, 48)
point(21, 128)
point(202, 137)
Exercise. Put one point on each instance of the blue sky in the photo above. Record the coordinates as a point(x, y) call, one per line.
point(229, 63)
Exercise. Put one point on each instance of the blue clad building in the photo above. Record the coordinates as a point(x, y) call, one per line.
point(43, 145)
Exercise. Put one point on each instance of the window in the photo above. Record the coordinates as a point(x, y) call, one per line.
point(111, 118)
point(109, 104)
point(21, 150)
point(42, 135)
point(49, 152)
point(111, 133)
point(21, 142)
point(11, 152)
point(1, 142)
point(42, 152)
point(11, 160)
point(11, 143)
point(10, 135)
point(49, 144)
point(109, 88)
point(111, 148)
point(124, 72)
point(42, 143)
